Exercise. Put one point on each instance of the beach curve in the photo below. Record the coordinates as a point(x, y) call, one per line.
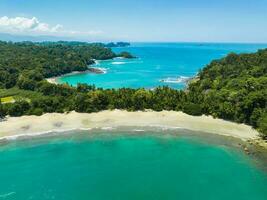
point(14, 127)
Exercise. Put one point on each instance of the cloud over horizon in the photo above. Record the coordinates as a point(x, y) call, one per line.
point(32, 26)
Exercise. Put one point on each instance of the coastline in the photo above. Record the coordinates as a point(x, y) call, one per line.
point(53, 80)
point(95, 70)
point(14, 127)
point(91, 69)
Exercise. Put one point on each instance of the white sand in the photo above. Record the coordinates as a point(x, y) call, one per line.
point(34, 125)
point(52, 80)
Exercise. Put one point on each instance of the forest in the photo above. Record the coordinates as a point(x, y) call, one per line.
point(19, 62)
point(232, 88)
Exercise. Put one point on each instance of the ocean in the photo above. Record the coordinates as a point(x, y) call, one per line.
point(126, 164)
point(157, 64)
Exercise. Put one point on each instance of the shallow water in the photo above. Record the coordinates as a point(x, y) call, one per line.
point(122, 164)
point(158, 64)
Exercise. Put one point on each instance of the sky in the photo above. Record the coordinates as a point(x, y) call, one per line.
point(138, 20)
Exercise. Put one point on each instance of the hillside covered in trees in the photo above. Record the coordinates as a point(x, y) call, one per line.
point(27, 61)
point(233, 88)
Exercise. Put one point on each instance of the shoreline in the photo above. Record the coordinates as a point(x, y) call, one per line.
point(91, 69)
point(94, 70)
point(15, 127)
point(53, 79)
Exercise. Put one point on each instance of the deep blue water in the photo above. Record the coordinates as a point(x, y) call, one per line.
point(157, 62)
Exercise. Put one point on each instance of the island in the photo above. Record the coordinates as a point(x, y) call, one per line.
point(118, 44)
point(233, 88)
point(126, 54)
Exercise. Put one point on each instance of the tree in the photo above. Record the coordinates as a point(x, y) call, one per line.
point(262, 124)
point(26, 84)
point(141, 99)
point(192, 109)
point(2, 111)
point(18, 108)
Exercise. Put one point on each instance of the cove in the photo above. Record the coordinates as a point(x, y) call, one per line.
point(157, 64)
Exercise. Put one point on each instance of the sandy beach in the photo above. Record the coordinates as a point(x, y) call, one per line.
point(14, 127)
point(52, 80)
point(95, 70)
point(55, 81)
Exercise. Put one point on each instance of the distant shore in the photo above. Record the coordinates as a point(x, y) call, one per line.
point(14, 127)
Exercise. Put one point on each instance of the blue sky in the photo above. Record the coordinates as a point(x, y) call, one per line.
point(138, 20)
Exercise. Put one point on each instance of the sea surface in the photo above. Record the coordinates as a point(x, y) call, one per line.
point(127, 164)
point(157, 64)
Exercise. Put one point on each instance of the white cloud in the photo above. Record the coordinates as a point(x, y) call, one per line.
point(23, 25)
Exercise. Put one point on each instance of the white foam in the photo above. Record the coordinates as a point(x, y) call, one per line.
point(107, 128)
point(7, 194)
point(102, 69)
point(36, 134)
point(166, 127)
point(85, 129)
point(139, 130)
point(118, 63)
point(67, 131)
point(119, 58)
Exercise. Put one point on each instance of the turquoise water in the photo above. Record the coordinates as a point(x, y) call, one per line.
point(126, 165)
point(171, 62)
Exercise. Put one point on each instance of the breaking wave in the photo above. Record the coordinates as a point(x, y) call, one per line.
point(118, 63)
